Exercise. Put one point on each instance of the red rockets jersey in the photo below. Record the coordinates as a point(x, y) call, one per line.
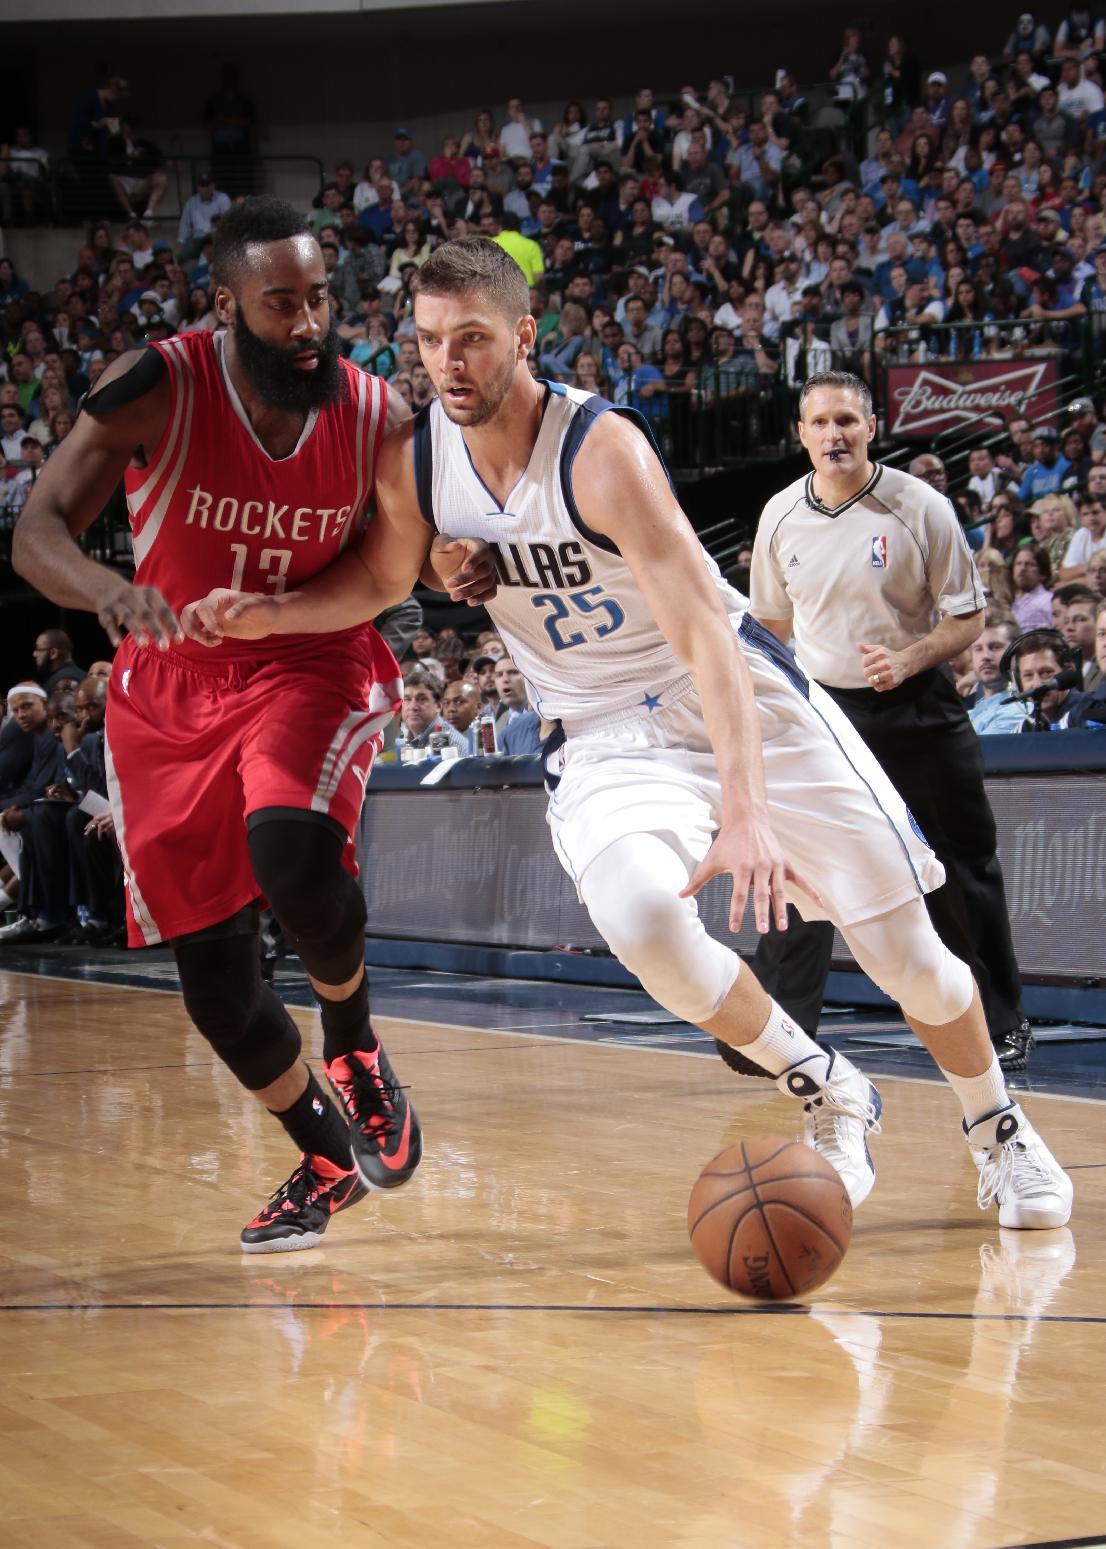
point(212, 508)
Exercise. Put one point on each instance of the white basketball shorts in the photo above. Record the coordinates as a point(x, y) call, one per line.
point(839, 820)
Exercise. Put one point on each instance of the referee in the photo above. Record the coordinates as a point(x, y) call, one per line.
point(868, 568)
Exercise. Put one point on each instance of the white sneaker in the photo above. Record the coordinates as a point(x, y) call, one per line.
point(1017, 1170)
point(18, 929)
point(839, 1112)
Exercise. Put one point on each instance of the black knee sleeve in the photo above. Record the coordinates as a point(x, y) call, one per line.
point(297, 860)
point(229, 1003)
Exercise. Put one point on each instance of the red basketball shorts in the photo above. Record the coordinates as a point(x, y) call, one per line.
point(195, 746)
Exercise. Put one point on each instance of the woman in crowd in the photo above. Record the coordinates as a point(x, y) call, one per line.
point(1053, 519)
point(922, 158)
point(480, 137)
point(198, 315)
point(636, 240)
point(374, 350)
point(365, 194)
point(1009, 525)
point(674, 369)
point(959, 130)
point(61, 424)
point(12, 288)
point(587, 375)
point(50, 399)
point(968, 306)
point(102, 244)
point(569, 133)
point(413, 246)
point(558, 359)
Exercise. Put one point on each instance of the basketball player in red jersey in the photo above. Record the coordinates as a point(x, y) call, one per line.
point(249, 458)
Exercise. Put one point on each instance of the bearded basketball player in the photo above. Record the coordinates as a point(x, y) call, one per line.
point(249, 458)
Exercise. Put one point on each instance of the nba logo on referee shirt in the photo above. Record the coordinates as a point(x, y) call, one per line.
point(879, 553)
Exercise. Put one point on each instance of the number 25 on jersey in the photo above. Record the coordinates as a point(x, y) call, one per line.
point(579, 617)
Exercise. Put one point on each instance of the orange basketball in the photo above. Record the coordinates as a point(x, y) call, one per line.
point(769, 1218)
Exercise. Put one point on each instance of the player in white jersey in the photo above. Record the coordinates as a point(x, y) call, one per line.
point(667, 691)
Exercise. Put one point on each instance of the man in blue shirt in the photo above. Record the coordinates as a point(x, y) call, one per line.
point(517, 727)
point(200, 214)
point(635, 383)
point(1045, 474)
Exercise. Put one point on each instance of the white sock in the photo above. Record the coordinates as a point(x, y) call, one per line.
point(980, 1095)
point(6, 899)
point(782, 1043)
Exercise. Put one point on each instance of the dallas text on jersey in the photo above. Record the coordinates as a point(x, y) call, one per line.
point(550, 567)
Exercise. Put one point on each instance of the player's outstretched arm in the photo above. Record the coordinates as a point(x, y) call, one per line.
point(621, 491)
point(124, 418)
point(375, 575)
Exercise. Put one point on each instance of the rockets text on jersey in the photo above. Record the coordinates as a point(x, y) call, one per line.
point(212, 508)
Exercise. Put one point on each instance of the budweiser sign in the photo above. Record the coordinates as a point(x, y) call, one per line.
point(924, 399)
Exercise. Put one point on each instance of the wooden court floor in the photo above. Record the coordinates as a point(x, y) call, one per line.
point(519, 1350)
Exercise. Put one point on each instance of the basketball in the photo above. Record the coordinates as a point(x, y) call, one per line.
point(769, 1218)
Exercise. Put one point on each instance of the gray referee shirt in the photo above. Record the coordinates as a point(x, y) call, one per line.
point(882, 568)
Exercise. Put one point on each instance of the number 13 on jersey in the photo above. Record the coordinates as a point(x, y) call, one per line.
point(579, 617)
point(274, 564)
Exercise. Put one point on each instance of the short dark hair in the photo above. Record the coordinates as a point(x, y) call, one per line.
point(845, 380)
point(476, 264)
point(1075, 591)
point(258, 219)
point(420, 677)
point(1040, 640)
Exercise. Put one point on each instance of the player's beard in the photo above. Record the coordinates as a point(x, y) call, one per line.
point(276, 380)
point(489, 396)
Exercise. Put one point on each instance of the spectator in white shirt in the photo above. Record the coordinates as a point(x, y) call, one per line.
point(1078, 97)
point(200, 214)
point(11, 432)
point(1090, 539)
point(673, 208)
point(514, 137)
point(781, 300)
point(986, 479)
point(365, 194)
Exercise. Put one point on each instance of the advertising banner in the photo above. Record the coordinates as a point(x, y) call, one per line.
point(925, 399)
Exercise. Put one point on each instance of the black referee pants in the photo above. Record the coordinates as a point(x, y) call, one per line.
point(921, 734)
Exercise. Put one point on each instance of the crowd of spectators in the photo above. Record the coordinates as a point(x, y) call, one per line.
point(61, 875)
point(695, 257)
point(451, 687)
point(1037, 520)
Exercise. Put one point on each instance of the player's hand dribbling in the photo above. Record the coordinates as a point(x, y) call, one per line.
point(225, 613)
point(138, 611)
point(466, 568)
point(751, 853)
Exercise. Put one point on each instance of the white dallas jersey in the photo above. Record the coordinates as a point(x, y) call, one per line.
point(568, 608)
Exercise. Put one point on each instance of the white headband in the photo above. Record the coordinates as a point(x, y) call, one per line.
point(21, 689)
